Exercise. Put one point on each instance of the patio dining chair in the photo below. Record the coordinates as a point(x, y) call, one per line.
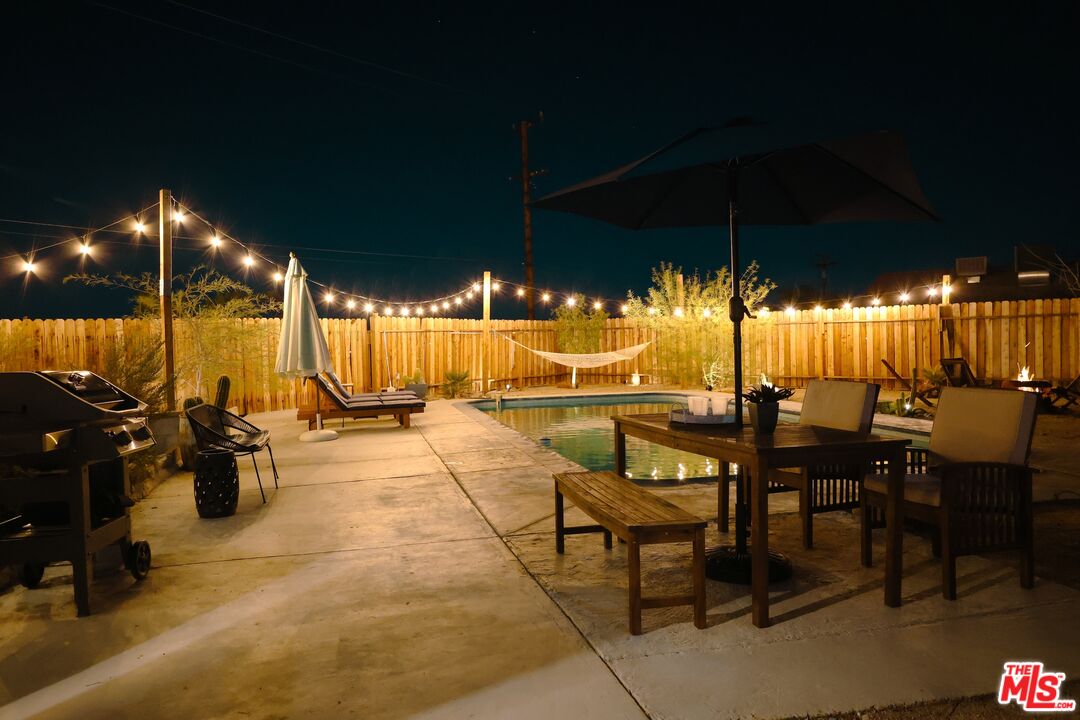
point(839, 405)
point(1069, 393)
point(218, 429)
point(973, 483)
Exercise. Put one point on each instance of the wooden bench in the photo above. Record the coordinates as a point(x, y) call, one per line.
point(639, 518)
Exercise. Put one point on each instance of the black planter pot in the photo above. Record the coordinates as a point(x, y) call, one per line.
point(217, 483)
point(763, 417)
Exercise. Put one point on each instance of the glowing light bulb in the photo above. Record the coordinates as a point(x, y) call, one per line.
point(434, 308)
point(139, 227)
point(546, 297)
point(368, 307)
point(764, 310)
point(469, 295)
point(789, 311)
point(495, 287)
point(404, 311)
point(876, 301)
point(847, 304)
point(215, 241)
point(706, 312)
point(278, 277)
point(178, 215)
point(457, 300)
point(904, 296)
point(571, 301)
point(350, 304)
point(84, 248)
point(446, 305)
point(249, 261)
point(420, 310)
point(328, 297)
point(818, 308)
point(521, 292)
point(29, 266)
point(652, 311)
point(476, 287)
point(932, 292)
point(597, 305)
point(678, 312)
point(388, 311)
point(624, 309)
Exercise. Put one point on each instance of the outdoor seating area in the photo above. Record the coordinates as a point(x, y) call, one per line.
point(554, 636)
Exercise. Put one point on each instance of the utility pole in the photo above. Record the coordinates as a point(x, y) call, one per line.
point(526, 198)
point(823, 263)
point(165, 217)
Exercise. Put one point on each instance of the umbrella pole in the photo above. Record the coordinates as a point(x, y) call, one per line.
point(736, 308)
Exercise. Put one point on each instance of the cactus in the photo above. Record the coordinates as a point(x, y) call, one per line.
point(221, 398)
point(192, 402)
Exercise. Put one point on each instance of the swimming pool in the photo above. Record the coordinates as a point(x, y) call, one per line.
point(579, 428)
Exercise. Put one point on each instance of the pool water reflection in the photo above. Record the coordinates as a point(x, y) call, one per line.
point(580, 429)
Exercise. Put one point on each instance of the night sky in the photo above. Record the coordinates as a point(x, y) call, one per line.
point(387, 129)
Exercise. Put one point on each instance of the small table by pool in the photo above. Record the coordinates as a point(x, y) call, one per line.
point(789, 446)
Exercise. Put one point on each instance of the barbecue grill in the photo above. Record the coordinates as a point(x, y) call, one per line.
point(65, 439)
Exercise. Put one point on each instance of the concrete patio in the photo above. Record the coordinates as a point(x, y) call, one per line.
point(412, 573)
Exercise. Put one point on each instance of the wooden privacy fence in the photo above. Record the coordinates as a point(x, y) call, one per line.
point(997, 338)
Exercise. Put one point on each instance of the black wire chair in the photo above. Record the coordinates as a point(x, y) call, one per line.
point(217, 429)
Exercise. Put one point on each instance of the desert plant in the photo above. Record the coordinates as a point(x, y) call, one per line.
point(417, 378)
point(578, 331)
point(456, 383)
point(766, 392)
point(136, 365)
point(689, 319)
point(221, 397)
point(212, 312)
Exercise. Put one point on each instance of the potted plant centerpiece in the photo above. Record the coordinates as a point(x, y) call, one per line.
point(764, 403)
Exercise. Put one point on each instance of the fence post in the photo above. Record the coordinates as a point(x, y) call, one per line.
point(485, 343)
point(165, 217)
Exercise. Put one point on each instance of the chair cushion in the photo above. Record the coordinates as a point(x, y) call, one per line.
point(921, 489)
point(839, 405)
point(980, 425)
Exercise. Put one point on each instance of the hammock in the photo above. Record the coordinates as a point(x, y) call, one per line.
point(586, 360)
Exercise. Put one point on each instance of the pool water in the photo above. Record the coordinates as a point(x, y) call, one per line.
point(580, 429)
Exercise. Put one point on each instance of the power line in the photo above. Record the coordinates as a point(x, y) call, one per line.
point(312, 46)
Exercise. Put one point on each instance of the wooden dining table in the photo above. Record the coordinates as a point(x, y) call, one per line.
point(790, 446)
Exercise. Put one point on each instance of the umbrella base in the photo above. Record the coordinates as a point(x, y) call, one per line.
point(318, 436)
point(726, 564)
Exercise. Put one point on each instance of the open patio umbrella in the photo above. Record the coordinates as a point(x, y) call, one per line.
point(746, 173)
point(302, 350)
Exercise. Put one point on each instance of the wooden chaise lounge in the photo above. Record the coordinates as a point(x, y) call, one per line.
point(332, 404)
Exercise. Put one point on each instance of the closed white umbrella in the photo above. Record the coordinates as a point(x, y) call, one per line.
point(302, 350)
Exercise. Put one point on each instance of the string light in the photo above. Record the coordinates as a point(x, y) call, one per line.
point(278, 277)
point(904, 296)
point(495, 287)
point(624, 309)
point(29, 266)
point(139, 227)
point(546, 297)
point(597, 305)
point(706, 312)
point(368, 308)
point(350, 304)
point(215, 241)
point(521, 292)
point(652, 311)
point(790, 311)
point(818, 308)
point(476, 287)
point(328, 297)
point(932, 292)
point(419, 309)
point(457, 300)
point(847, 304)
point(388, 311)
point(249, 261)
point(178, 215)
point(678, 312)
point(571, 301)
point(434, 308)
point(404, 311)
point(876, 301)
point(84, 248)
point(469, 294)
point(446, 305)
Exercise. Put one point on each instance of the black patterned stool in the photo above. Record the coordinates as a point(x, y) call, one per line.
point(217, 483)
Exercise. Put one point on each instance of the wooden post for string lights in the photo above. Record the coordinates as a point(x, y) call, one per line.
point(165, 217)
point(485, 343)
